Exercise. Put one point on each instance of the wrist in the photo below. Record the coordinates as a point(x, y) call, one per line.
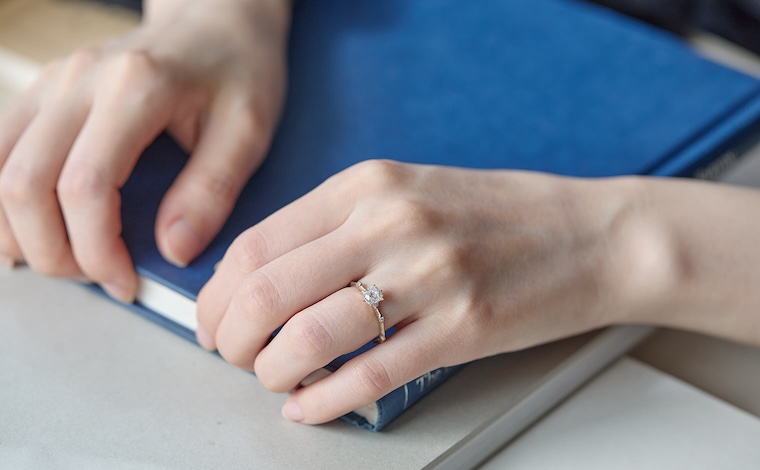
point(642, 264)
point(274, 13)
point(231, 35)
point(702, 274)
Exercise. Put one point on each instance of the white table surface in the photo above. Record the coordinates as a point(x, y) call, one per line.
point(633, 417)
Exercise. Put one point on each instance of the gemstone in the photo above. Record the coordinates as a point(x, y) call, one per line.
point(373, 295)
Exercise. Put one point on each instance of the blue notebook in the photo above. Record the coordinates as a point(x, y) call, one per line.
point(550, 85)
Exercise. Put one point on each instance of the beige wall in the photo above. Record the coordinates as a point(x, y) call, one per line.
point(44, 29)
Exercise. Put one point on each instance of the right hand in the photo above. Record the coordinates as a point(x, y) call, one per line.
point(472, 263)
point(211, 73)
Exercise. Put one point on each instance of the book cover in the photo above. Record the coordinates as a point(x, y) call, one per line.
point(558, 86)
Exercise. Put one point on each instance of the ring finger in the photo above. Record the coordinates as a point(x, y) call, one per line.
point(340, 324)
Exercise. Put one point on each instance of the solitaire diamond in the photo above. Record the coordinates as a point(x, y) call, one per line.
point(373, 295)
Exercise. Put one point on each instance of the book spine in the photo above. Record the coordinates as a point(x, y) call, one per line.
point(714, 169)
point(719, 149)
point(392, 405)
point(395, 403)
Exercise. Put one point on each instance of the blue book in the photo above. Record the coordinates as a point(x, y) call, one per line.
point(558, 86)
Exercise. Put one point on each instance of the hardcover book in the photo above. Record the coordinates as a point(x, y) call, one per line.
point(559, 86)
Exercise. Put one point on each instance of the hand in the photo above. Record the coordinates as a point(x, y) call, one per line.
point(472, 264)
point(211, 73)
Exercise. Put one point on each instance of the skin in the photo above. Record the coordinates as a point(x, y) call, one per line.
point(472, 263)
point(212, 74)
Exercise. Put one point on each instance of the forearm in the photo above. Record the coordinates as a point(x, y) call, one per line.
point(276, 13)
point(691, 256)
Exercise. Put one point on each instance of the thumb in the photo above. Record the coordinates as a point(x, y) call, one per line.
point(232, 145)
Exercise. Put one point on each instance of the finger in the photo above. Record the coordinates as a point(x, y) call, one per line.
point(314, 337)
point(14, 121)
point(10, 252)
point(266, 241)
point(12, 124)
point(367, 377)
point(127, 116)
point(232, 145)
point(27, 187)
point(268, 297)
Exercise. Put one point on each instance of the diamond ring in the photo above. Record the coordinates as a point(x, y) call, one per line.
point(372, 297)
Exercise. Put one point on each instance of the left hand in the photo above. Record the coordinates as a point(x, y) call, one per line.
point(212, 74)
point(472, 264)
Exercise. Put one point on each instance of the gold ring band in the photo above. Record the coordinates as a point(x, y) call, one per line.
point(372, 297)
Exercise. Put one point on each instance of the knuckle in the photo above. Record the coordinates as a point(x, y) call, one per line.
point(258, 300)
point(81, 183)
point(82, 61)
point(408, 217)
point(249, 251)
point(136, 74)
point(134, 66)
point(70, 73)
point(137, 61)
point(234, 356)
point(308, 338)
point(271, 377)
point(267, 380)
point(373, 377)
point(74, 68)
point(20, 184)
point(377, 175)
point(219, 188)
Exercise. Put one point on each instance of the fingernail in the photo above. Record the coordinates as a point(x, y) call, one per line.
point(205, 339)
point(7, 262)
point(182, 243)
point(292, 411)
point(118, 292)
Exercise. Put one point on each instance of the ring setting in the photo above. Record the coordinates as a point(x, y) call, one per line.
point(372, 297)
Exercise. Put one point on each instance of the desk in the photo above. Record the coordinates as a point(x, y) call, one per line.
point(86, 384)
